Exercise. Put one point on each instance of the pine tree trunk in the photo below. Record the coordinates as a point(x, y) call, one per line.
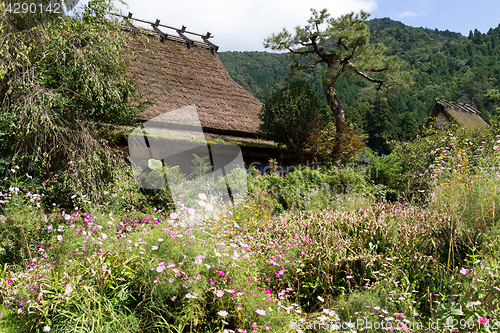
point(336, 107)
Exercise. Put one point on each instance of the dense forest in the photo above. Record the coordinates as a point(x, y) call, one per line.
point(444, 64)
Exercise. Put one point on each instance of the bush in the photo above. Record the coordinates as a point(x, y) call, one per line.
point(65, 83)
point(309, 188)
point(290, 115)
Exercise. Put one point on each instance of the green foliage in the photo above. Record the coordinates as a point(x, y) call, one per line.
point(384, 172)
point(444, 64)
point(327, 146)
point(63, 83)
point(408, 127)
point(342, 45)
point(290, 115)
point(493, 97)
point(380, 126)
point(307, 188)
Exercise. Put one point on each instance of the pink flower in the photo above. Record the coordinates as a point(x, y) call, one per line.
point(64, 31)
point(483, 321)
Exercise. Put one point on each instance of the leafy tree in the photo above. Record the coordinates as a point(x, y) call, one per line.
point(290, 115)
point(343, 46)
point(333, 148)
point(493, 96)
point(62, 80)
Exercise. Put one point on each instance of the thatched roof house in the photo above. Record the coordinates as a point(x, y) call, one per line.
point(448, 112)
point(173, 75)
point(175, 72)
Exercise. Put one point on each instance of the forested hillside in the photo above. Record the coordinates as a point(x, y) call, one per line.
point(444, 65)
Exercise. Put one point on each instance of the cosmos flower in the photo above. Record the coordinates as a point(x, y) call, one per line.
point(261, 312)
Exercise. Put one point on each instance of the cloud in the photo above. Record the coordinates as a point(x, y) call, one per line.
point(239, 25)
point(407, 13)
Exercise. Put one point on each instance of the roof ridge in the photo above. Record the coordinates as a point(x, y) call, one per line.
point(204, 43)
point(463, 107)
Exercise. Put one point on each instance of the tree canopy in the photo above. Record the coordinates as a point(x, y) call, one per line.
point(343, 46)
point(290, 115)
point(62, 81)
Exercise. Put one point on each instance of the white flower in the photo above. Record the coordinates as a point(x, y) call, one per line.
point(46, 328)
point(104, 236)
point(59, 238)
point(202, 196)
point(194, 295)
point(323, 318)
point(222, 313)
point(154, 247)
point(261, 312)
point(219, 293)
point(321, 299)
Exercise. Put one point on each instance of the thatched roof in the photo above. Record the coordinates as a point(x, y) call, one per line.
point(173, 76)
point(463, 114)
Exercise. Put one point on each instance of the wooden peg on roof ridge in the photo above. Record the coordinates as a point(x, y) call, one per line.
point(183, 29)
point(129, 15)
point(157, 23)
point(207, 36)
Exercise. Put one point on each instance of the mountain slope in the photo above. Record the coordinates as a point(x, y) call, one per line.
point(445, 65)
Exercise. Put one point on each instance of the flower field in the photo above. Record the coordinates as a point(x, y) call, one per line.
point(350, 261)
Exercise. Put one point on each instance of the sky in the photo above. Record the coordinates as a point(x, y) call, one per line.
point(243, 25)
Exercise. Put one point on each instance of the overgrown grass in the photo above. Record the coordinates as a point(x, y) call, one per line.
point(292, 256)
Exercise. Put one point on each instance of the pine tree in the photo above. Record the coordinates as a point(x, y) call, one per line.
point(381, 126)
point(408, 127)
point(343, 45)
